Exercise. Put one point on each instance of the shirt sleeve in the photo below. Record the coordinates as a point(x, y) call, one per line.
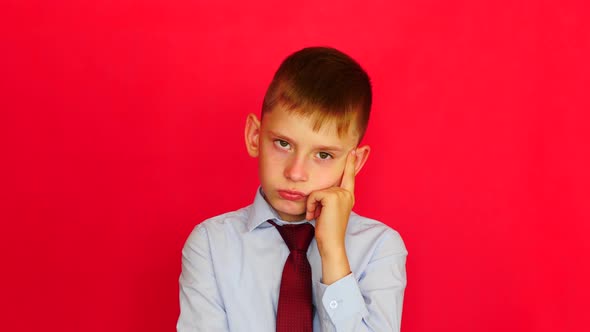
point(201, 307)
point(371, 300)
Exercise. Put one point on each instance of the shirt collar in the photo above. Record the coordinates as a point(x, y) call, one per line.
point(260, 212)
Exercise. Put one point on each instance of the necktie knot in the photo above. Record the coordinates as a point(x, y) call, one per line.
point(297, 237)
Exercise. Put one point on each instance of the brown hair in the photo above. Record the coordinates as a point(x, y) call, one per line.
point(325, 84)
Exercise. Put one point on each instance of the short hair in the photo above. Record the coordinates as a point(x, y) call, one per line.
point(324, 84)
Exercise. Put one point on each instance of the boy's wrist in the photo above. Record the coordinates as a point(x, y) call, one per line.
point(335, 265)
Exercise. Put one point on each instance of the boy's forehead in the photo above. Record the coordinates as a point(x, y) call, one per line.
point(309, 127)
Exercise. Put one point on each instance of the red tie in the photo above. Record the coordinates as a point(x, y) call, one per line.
point(295, 311)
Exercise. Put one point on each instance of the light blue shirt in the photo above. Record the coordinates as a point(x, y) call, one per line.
point(232, 266)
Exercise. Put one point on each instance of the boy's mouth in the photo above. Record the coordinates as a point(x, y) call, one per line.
point(292, 195)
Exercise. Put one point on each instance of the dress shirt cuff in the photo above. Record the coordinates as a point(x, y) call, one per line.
point(340, 301)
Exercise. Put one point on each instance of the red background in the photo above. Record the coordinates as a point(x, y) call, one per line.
point(122, 128)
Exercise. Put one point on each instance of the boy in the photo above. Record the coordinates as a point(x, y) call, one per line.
point(258, 268)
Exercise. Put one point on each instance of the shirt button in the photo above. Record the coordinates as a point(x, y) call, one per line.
point(333, 304)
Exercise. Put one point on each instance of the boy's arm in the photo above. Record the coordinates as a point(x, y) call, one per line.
point(201, 307)
point(374, 302)
point(371, 301)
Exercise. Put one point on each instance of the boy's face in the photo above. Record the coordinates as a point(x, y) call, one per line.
point(294, 160)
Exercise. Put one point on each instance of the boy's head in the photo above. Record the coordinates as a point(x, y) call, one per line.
point(315, 111)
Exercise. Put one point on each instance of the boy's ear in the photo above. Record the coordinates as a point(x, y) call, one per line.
point(362, 154)
point(252, 135)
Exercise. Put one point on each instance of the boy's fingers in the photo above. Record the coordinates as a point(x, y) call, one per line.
point(317, 212)
point(348, 176)
point(313, 204)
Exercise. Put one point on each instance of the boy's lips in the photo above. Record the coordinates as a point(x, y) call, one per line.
point(292, 195)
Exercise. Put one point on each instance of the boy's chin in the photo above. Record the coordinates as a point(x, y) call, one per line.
point(288, 212)
point(292, 217)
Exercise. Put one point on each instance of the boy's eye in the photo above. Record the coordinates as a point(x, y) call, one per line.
point(324, 155)
point(282, 144)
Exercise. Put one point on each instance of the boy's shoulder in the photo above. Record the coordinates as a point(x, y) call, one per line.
point(232, 218)
point(369, 227)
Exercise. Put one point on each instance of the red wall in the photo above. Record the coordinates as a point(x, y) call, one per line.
point(121, 128)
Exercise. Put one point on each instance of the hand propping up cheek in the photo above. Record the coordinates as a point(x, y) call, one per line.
point(331, 208)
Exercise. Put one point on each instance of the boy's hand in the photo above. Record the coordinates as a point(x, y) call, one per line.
point(331, 207)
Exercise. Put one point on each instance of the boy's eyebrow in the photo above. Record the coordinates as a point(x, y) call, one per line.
point(328, 148)
point(317, 147)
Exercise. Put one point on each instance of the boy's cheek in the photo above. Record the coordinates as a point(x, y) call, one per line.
point(325, 181)
point(272, 158)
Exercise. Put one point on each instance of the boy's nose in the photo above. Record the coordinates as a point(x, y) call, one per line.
point(295, 170)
